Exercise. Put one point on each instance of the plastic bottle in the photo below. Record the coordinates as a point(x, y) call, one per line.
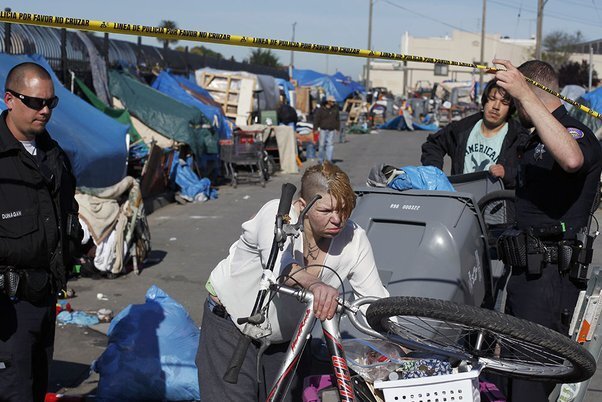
point(53, 397)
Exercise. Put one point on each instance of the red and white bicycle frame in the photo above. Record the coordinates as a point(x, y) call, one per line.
point(332, 338)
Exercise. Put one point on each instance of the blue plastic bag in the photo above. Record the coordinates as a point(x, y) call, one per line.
point(151, 352)
point(420, 178)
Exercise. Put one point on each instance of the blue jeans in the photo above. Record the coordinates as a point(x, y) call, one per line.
point(342, 138)
point(310, 150)
point(326, 146)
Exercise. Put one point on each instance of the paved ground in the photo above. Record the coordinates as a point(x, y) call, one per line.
point(189, 240)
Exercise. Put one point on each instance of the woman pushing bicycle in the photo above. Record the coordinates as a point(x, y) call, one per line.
point(330, 248)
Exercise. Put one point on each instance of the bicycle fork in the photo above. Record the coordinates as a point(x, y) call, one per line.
point(332, 337)
point(293, 356)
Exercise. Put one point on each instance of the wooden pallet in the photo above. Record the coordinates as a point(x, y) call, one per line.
point(354, 108)
point(234, 93)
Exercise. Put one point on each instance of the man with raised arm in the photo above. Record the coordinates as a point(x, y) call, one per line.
point(556, 187)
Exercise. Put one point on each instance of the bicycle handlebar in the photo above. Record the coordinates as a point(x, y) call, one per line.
point(238, 357)
point(286, 198)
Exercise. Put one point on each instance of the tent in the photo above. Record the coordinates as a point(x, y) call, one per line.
point(571, 92)
point(95, 143)
point(121, 115)
point(337, 85)
point(399, 123)
point(137, 146)
point(189, 93)
point(169, 117)
point(287, 87)
point(592, 100)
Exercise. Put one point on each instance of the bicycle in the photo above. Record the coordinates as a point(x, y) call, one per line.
point(480, 337)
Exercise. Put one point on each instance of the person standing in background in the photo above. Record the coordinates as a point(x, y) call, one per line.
point(328, 122)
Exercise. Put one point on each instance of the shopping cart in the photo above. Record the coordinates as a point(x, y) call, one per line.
point(243, 157)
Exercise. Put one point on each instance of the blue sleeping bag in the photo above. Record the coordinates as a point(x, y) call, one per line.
point(151, 352)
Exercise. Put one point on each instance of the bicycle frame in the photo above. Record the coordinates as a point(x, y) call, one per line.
point(332, 337)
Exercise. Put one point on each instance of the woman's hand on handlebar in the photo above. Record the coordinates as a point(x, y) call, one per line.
point(325, 300)
point(325, 297)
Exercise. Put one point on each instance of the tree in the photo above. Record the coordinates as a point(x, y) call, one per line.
point(575, 73)
point(203, 51)
point(264, 58)
point(558, 47)
point(169, 25)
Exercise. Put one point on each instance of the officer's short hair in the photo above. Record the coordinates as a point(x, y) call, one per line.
point(491, 85)
point(16, 76)
point(541, 72)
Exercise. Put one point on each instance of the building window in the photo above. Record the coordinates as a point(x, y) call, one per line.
point(441, 69)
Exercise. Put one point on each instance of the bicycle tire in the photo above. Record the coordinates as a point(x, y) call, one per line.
point(512, 346)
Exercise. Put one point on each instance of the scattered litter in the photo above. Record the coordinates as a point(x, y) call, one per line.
point(63, 305)
point(246, 197)
point(78, 318)
point(52, 397)
point(104, 315)
point(101, 296)
point(66, 294)
point(173, 238)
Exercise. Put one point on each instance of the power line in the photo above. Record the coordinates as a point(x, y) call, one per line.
point(550, 15)
point(428, 17)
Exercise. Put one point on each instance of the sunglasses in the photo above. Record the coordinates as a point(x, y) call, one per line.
point(35, 103)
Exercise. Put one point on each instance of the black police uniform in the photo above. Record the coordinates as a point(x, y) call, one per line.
point(38, 218)
point(547, 198)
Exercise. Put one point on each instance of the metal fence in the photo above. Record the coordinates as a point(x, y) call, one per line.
point(66, 52)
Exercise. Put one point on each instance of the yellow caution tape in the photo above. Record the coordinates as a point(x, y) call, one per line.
point(237, 40)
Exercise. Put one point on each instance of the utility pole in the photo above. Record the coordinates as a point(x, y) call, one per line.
point(538, 34)
point(292, 63)
point(482, 61)
point(591, 67)
point(367, 83)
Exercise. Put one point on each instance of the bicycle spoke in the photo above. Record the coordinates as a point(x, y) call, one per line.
point(496, 350)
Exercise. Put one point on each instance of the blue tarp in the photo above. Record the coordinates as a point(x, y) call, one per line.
point(420, 178)
point(94, 142)
point(287, 87)
point(337, 85)
point(173, 86)
point(593, 100)
point(399, 123)
point(190, 184)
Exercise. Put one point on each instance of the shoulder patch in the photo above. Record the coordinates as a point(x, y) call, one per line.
point(575, 132)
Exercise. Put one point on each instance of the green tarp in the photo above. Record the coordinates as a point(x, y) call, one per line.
point(121, 115)
point(164, 114)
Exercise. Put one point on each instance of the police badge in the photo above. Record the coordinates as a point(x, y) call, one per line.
point(539, 150)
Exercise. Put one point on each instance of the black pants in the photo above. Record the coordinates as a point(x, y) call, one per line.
point(217, 342)
point(541, 299)
point(26, 347)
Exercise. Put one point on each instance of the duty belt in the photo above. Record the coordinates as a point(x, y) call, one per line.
point(9, 281)
point(28, 284)
point(523, 249)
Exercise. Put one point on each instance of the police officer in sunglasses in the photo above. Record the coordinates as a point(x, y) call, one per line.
point(38, 224)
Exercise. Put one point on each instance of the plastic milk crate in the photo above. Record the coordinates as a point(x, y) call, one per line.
point(460, 387)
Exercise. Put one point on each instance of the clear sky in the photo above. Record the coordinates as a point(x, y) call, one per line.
point(335, 22)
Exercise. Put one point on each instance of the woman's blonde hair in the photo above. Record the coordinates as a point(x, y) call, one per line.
point(329, 178)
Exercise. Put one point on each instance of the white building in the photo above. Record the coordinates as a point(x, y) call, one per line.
point(461, 46)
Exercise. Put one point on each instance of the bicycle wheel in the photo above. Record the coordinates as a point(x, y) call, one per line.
point(501, 343)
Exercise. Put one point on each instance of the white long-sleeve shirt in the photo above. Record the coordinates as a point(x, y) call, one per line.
point(236, 278)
